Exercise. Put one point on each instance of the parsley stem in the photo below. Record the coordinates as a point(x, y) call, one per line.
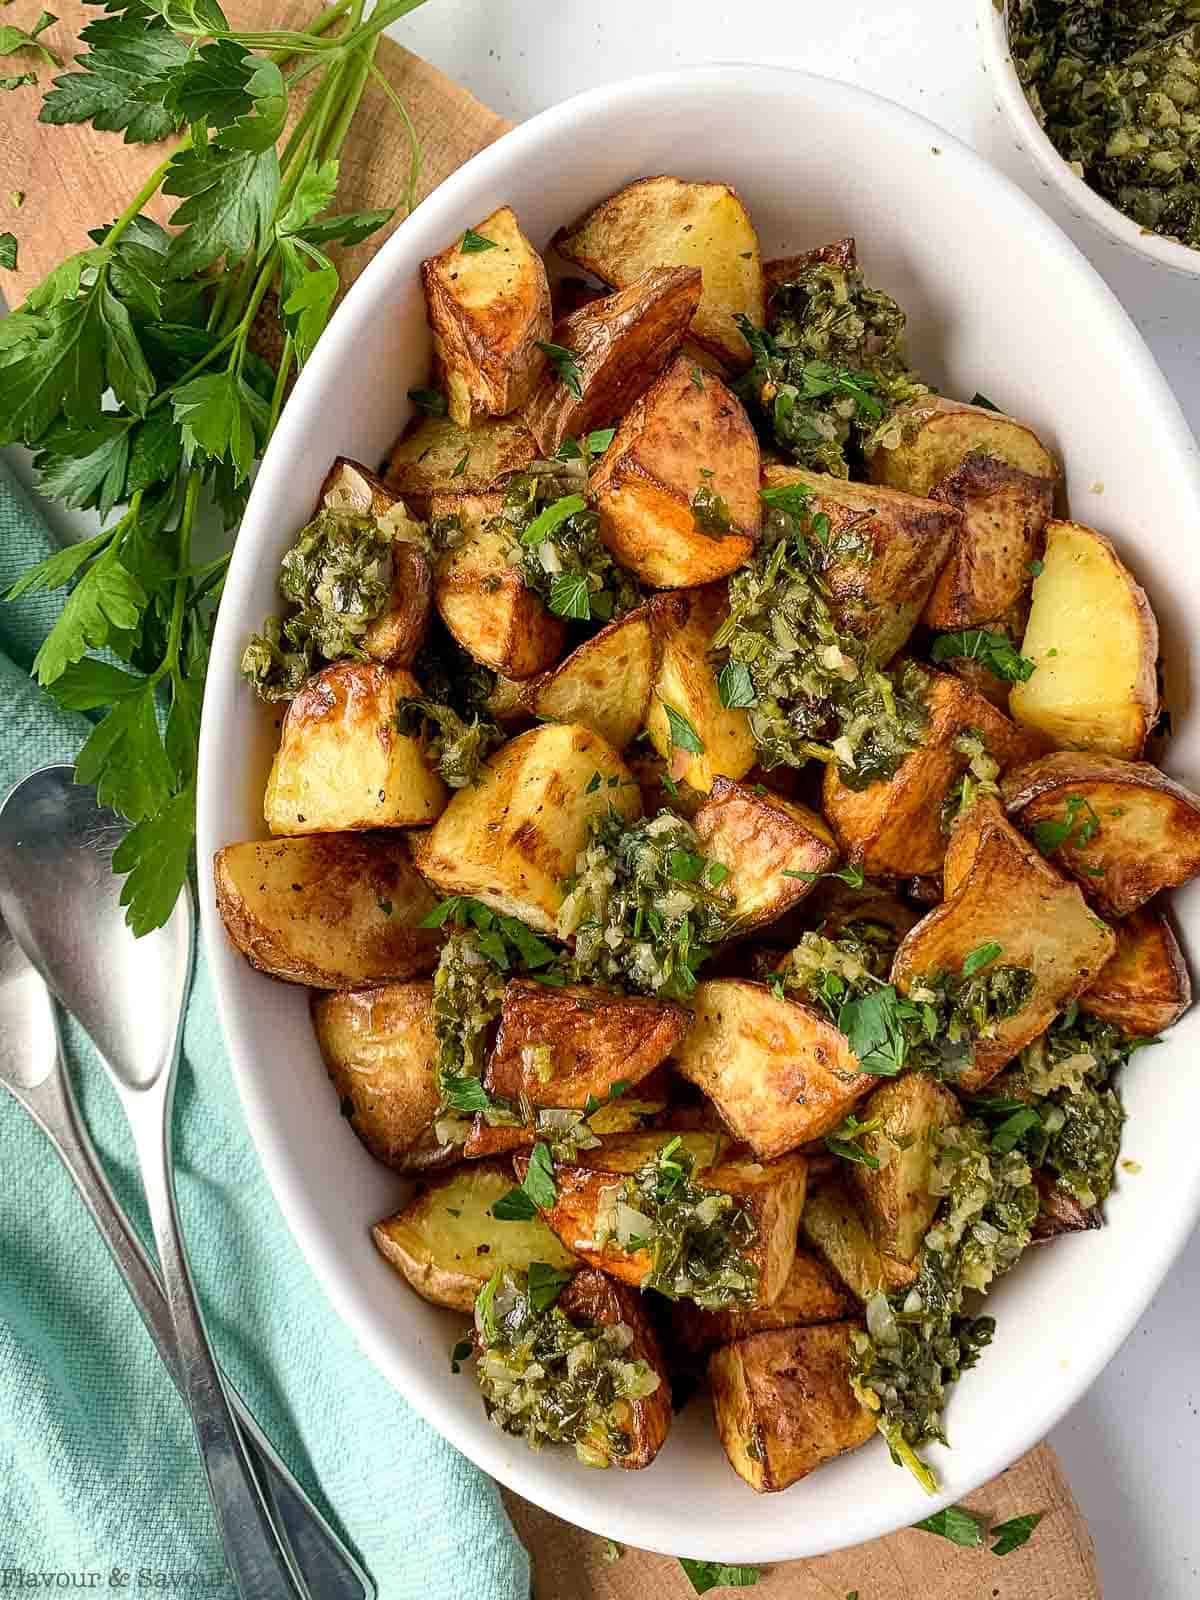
point(320, 24)
point(357, 82)
point(145, 193)
point(414, 142)
point(191, 499)
point(281, 381)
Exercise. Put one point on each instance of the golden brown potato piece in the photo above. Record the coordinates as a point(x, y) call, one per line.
point(778, 1072)
point(1094, 639)
point(483, 599)
point(834, 1227)
point(489, 309)
point(593, 1298)
point(1003, 513)
point(894, 829)
point(783, 1403)
point(893, 547)
point(342, 761)
point(380, 1052)
point(772, 1192)
point(398, 632)
point(895, 1197)
point(333, 910)
point(1123, 829)
point(446, 1242)
point(511, 839)
point(1145, 987)
point(665, 222)
point(619, 346)
point(938, 434)
point(811, 1295)
point(760, 838)
point(435, 456)
point(604, 684)
point(685, 623)
point(841, 253)
point(677, 490)
point(1060, 1213)
point(999, 890)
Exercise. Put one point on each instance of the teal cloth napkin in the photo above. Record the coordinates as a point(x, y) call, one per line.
point(98, 1470)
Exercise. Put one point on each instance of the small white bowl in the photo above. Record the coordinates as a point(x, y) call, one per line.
point(1081, 199)
point(998, 300)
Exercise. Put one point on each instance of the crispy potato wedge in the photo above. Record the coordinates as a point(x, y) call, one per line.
point(1127, 831)
point(772, 1192)
point(685, 623)
point(811, 1295)
point(778, 1072)
point(938, 434)
point(999, 890)
point(677, 490)
point(446, 1242)
point(841, 253)
point(833, 1225)
point(783, 1403)
point(1003, 513)
point(619, 344)
point(759, 838)
point(1094, 639)
point(399, 632)
point(895, 544)
point(435, 456)
point(593, 1298)
point(665, 222)
point(336, 911)
point(1060, 1213)
point(894, 829)
point(483, 599)
point(895, 1198)
point(604, 684)
point(379, 1049)
point(342, 762)
point(489, 309)
point(1145, 988)
point(512, 838)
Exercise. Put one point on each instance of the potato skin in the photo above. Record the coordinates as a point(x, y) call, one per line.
point(620, 344)
point(686, 434)
point(1060, 1213)
point(1003, 513)
point(342, 762)
point(335, 911)
point(783, 1404)
point(896, 1201)
point(940, 433)
point(1145, 988)
point(759, 837)
point(604, 683)
point(810, 1295)
point(1148, 833)
point(427, 458)
point(685, 622)
point(778, 1072)
point(591, 1297)
point(834, 1227)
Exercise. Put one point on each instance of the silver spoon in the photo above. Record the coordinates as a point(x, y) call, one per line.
point(61, 901)
point(32, 1069)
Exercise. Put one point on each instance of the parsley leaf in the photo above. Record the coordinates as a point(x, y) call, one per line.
point(16, 41)
point(154, 855)
point(872, 1025)
point(461, 1093)
point(538, 1191)
point(552, 517)
point(217, 413)
point(473, 243)
point(683, 735)
point(735, 686)
point(22, 80)
point(8, 251)
point(1078, 826)
point(852, 875)
point(120, 83)
point(1010, 1132)
point(228, 204)
point(566, 364)
point(978, 399)
point(461, 1352)
point(843, 1141)
point(790, 497)
point(546, 1283)
point(994, 650)
point(982, 956)
point(1011, 1535)
point(706, 1575)
point(955, 1524)
point(570, 596)
point(108, 599)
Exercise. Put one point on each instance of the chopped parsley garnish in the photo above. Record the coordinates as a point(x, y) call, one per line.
point(473, 243)
point(706, 1575)
point(844, 1141)
point(460, 1353)
point(1077, 827)
point(995, 650)
point(546, 1283)
point(735, 686)
point(683, 735)
point(1011, 1535)
point(430, 401)
point(851, 875)
point(556, 545)
point(457, 747)
point(955, 1524)
point(592, 444)
point(710, 511)
point(537, 1192)
point(982, 956)
point(566, 364)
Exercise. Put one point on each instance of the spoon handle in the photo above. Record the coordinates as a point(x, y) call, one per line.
point(328, 1568)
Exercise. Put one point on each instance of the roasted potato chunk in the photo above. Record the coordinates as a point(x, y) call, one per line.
point(811, 1295)
point(435, 456)
point(379, 1049)
point(895, 829)
point(1003, 513)
point(1122, 829)
point(665, 222)
point(685, 624)
point(342, 761)
point(937, 436)
point(895, 1197)
point(778, 1072)
point(892, 546)
point(1060, 1213)
point(446, 1242)
point(604, 684)
point(783, 1403)
point(399, 631)
point(1000, 891)
point(489, 310)
point(833, 1225)
point(774, 849)
point(333, 910)
point(1094, 641)
point(1145, 987)
point(511, 839)
point(677, 490)
point(618, 346)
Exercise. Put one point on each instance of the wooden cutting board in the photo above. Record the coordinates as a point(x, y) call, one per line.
point(73, 179)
